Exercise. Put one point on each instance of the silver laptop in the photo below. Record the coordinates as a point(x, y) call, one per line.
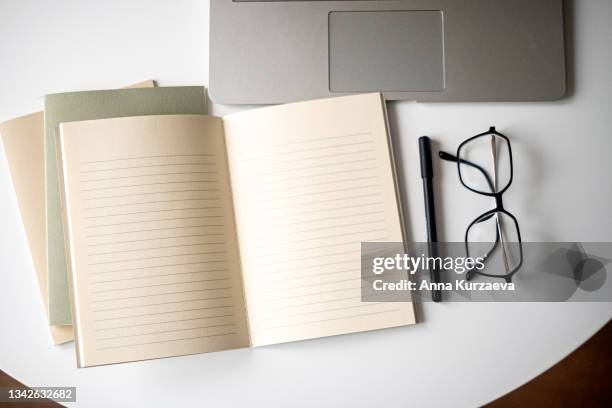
point(265, 52)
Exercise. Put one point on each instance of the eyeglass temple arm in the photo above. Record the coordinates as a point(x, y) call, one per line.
point(452, 158)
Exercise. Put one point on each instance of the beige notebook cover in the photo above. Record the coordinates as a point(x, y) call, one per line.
point(23, 143)
point(192, 233)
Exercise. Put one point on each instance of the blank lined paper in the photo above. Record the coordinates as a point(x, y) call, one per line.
point(305, 197)
point(152, 238)
point(190, 234)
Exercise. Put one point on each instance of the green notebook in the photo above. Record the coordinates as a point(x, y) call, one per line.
point(89, 105)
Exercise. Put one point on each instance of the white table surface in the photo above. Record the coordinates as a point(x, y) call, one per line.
point(458, 355)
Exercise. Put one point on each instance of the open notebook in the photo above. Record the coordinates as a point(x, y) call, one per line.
point(192, 233)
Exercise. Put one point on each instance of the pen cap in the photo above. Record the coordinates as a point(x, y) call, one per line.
point(425, 153)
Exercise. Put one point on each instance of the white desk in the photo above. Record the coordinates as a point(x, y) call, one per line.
point(459, 355)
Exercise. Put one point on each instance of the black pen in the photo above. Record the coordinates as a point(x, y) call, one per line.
point(430, 211)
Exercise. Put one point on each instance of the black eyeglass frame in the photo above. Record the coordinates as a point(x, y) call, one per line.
point(499, 205)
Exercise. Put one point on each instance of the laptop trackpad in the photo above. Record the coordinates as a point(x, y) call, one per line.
point(386, 51)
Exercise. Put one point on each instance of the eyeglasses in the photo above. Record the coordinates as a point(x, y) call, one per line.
point(497, 228)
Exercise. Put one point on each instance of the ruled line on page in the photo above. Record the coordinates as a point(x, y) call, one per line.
point(281, 271)
point(151, 211)
point(288, 233)
point(166, 341)
point(318, 211)
point(153, 202)
point(297, 186)
point(327, 200)
point(180, 173)
point(278, 261)
point(272, 162)
point(154, 229)
point(302, 232)
point(308, 285)
point(157, 247)
point(149, 166)
point(197, 190)
point(157, 238)
point(309, 167)
point(321, 237)
point(160, 294)
point(157, 183)
point(155, 220)
point(156, 257)
point(160, 275)
point(310, 248)
point(317, 293)
point(307, 276)
point(163, 313)
point(329, 173)
point(160, 266)
point(163, 322)
point(147, 157)
point(162, 303)
point(311, 312)
point(318, 302)
point(312, 149)
point(309, 193)
point(324, 219)
point(166, 331)
point(158, 285)
point(333, 318)
point(312, 140)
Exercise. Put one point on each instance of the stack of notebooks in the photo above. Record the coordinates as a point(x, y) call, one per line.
point(157, 230)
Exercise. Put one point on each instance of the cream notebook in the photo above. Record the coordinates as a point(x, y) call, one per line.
point(191, 233)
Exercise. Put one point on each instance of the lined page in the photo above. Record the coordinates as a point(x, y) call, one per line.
point(152, 243)
point(311, 181)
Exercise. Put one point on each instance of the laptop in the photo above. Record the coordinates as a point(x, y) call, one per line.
point(267, 52)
